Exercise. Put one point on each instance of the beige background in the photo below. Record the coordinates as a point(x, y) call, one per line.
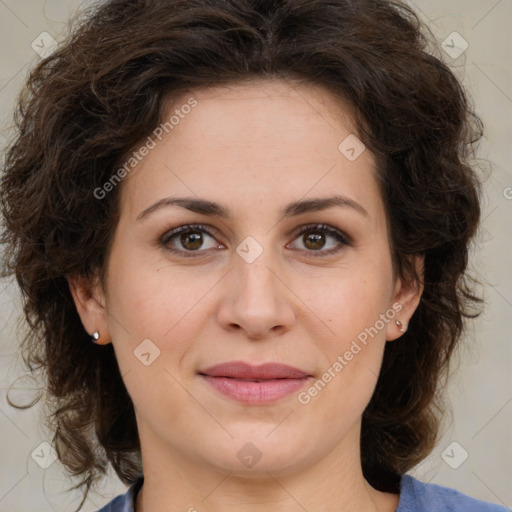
point(480, 392)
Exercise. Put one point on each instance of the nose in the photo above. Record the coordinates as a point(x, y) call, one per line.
point(256, 299)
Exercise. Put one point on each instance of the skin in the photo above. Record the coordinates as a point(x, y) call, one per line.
point(254, 148)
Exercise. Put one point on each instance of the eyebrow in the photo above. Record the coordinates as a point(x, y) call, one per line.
point(210, 208)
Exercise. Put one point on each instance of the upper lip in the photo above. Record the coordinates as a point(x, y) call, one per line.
point(241, 370)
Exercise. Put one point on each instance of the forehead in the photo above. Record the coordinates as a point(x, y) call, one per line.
point(272, 141)
point(263, 109)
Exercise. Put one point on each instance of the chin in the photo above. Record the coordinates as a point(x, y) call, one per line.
point(254, 456)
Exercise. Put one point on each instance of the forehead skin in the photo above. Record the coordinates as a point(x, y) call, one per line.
point(267, 142)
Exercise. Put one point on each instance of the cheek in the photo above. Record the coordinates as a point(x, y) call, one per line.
point(351, 303)
point(151, 299)
point(351, 349)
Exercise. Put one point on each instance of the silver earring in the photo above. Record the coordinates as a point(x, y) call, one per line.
point(401, 327)
point(95, 336)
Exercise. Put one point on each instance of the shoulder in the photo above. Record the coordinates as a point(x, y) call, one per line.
point(124, 502)
point(416, 496)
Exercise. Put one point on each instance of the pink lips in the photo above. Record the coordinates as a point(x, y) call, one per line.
point(255, 384)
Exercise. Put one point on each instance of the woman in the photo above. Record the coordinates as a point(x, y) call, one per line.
point(241, 229)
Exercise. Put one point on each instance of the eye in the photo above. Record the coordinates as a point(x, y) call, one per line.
point(190, 238)
point(314, 238)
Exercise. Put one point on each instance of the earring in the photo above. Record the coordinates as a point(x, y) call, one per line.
point(95, 336)
point(401, 327)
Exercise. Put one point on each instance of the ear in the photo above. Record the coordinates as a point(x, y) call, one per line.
point(90, 303)
point(407, 295)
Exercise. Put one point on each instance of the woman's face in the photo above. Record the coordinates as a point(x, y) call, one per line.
point(251, 285)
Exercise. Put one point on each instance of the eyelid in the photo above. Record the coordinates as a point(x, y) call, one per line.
point(343, 239)
point(184, 228)
point(341, 236)
point(333, 231)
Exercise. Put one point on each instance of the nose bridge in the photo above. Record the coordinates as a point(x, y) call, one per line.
point(257, 284)
point(257, 300)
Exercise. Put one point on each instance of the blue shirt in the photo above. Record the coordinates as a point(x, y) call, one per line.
point(415, 496)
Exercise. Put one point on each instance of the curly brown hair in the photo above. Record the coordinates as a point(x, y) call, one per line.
point(103, 91)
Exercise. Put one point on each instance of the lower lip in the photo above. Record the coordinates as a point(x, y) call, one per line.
point(250, 392)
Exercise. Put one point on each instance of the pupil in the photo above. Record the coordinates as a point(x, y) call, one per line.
point(317, 241)
point(195, 238)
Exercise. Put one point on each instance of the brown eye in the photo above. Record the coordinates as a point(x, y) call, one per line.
point(189, 239)
point(315, 239)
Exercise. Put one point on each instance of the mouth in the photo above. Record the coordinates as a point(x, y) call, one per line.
point(250, 384)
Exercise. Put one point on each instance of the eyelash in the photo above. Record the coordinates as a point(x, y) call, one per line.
point(323, 228)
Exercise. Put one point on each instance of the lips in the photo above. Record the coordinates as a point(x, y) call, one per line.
point(243, 371)
point(254, 385)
